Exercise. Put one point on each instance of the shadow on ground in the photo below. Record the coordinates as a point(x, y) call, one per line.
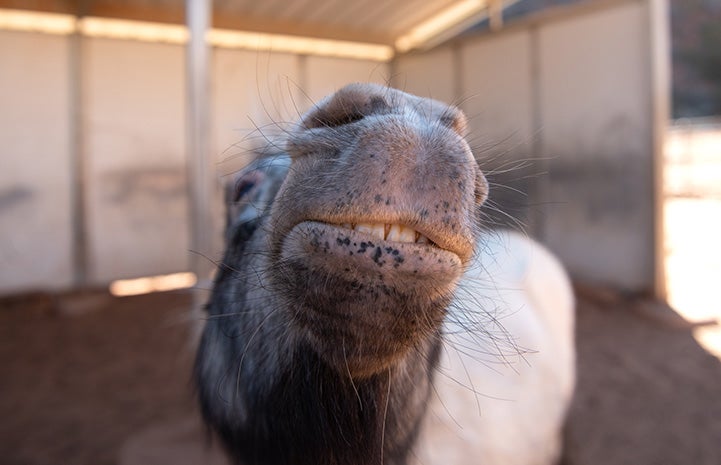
point(647, 393)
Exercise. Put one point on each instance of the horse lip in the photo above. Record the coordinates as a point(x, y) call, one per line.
point(435, 239)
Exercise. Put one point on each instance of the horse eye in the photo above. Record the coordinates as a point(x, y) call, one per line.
point(242, 187)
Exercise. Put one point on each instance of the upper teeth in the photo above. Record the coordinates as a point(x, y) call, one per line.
point(389, 232)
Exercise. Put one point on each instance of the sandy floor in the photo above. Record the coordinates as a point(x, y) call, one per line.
point(73, 388)
point(78, 387)
point(647, 392)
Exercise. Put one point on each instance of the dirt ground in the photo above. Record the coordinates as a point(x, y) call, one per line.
point(79, 376)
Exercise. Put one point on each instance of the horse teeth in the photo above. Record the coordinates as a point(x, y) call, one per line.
point(407, 235)
point(389, 232)
point(374, 229)
point(378, 231)
point(394, 233)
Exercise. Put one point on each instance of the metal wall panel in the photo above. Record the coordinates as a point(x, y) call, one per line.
point(571, 92)
point(35, 179)
point(429, 74)
point(596, 120)
point(255, 99)
point(565, 102)
point(496, 85)
point(490, 79)
point(325, 75)
point(135, 146)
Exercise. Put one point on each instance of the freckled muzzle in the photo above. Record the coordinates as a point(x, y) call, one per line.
point(374, 224)
point(363, 302)
point(407, 266)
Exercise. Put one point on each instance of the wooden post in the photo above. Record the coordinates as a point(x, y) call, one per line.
point(495, 14)
point(201, 176)
point(660, 38)
point(78, 154)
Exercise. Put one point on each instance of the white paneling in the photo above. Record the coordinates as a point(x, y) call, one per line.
point(597, 132)
point(497, 96)
point(324, 75)
point(35, 196)
point(135, 146)
point(496, 91)
point(573, 90)
point(560, 116)
point(255, 98)
point(429, 74)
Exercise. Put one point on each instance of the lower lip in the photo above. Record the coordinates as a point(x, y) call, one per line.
point(336, 248)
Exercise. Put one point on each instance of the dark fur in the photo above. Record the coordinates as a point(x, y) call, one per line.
point(320, 345)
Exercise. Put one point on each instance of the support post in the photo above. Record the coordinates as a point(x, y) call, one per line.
point(201, 176)
point(78, 175)
point(659, 32)
point(495, 14)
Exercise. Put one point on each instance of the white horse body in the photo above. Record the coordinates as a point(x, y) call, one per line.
point(501, 395)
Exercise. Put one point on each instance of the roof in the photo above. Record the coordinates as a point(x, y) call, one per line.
point(399, 24)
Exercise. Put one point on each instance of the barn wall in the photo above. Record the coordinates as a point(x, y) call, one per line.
point(431, 74)
point(254, 96)
point(324, 75)
point(258, 96)
point(35, 179)
point(595, 103)
point(132, 143)
point(562, 109)
point(133, 96)
point(499, 102)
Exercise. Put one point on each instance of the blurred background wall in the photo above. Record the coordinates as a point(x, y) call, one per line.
point(565, 116)
point(563, 109)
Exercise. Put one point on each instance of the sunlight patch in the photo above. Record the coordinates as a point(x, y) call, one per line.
point(168, 282)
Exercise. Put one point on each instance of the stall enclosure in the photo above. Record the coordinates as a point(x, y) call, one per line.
point(567, 107)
